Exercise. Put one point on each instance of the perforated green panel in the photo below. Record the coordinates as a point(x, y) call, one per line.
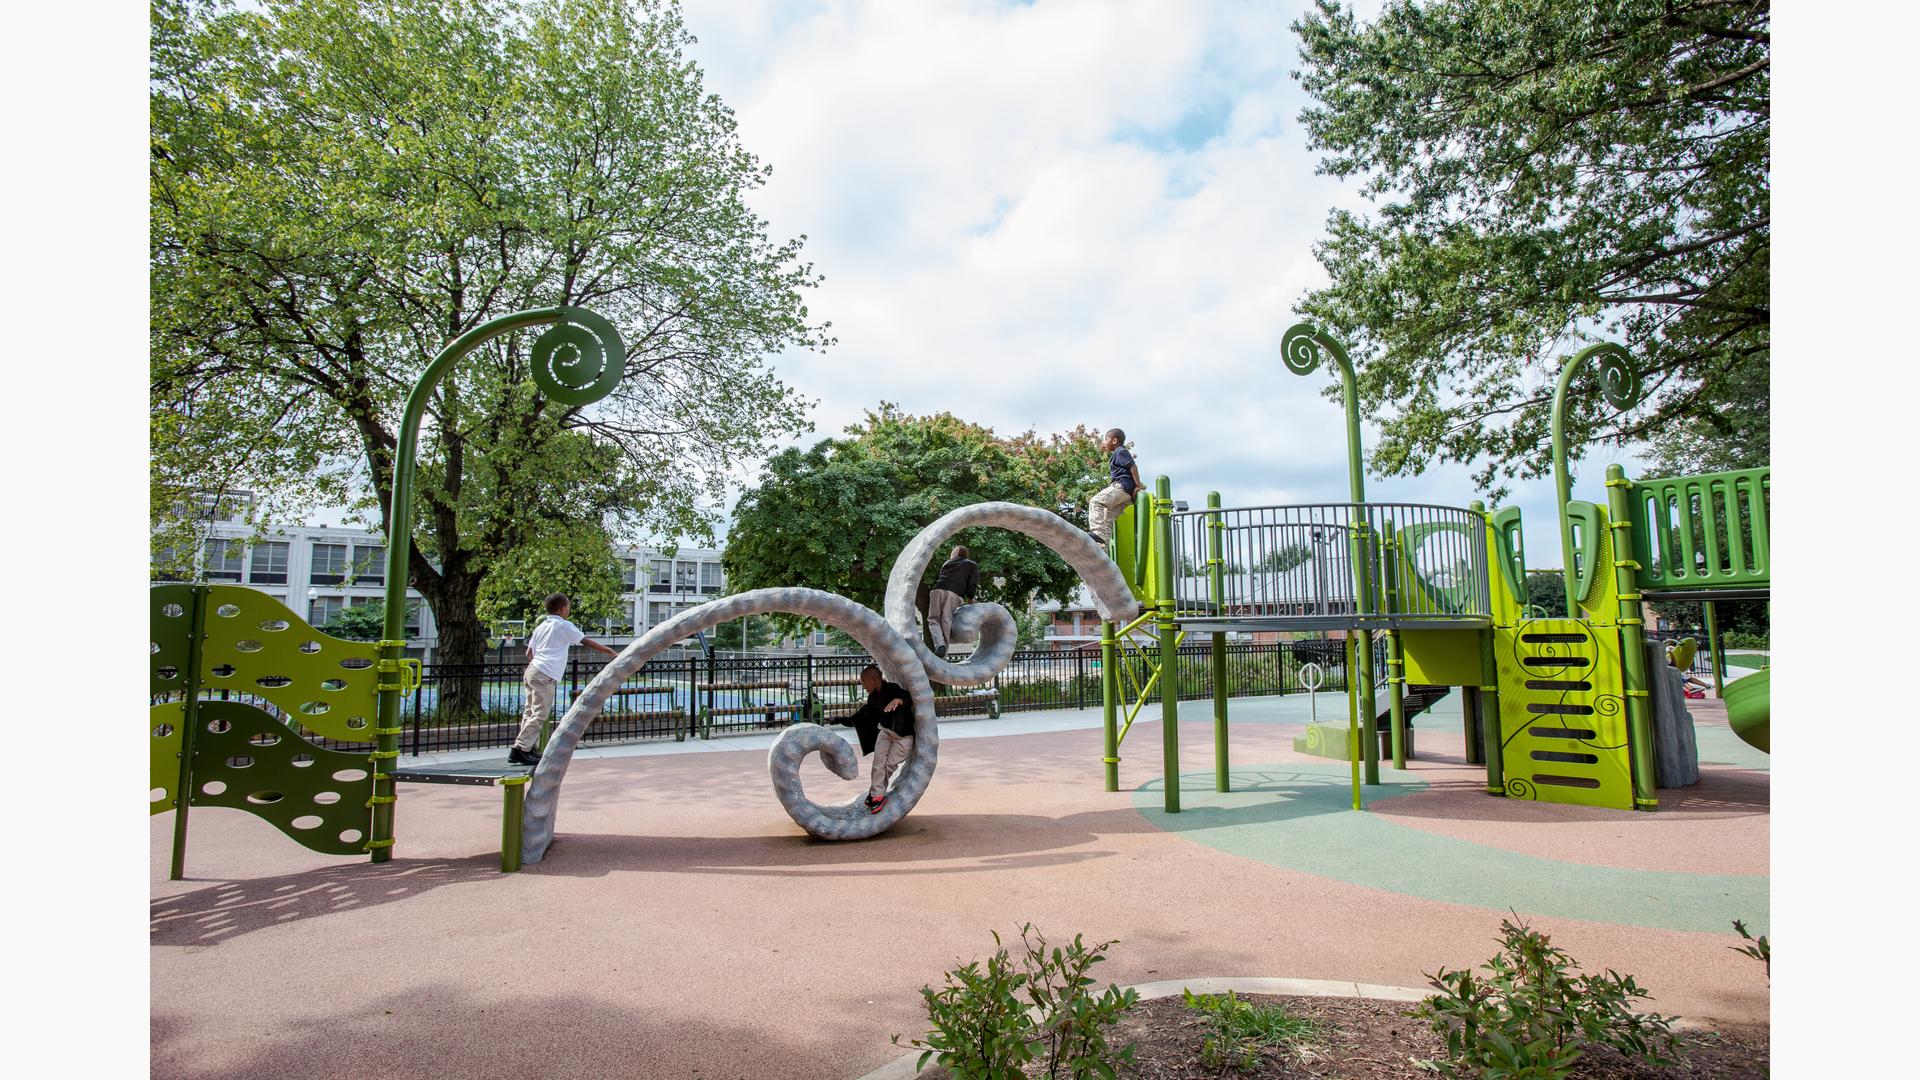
point(1563, 721)
point(1600, 603)
point(245, 759)
point(257, 645)
point(170, 623)
point(164, 726)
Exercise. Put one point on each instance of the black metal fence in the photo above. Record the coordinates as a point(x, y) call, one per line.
point(463, 707)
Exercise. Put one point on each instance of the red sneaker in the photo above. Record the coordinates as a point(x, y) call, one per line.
point(874, 805)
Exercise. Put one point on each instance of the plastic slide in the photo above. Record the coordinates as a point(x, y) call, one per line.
point(1746, 700)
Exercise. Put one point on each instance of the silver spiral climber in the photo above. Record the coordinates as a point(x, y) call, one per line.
point(894, 643)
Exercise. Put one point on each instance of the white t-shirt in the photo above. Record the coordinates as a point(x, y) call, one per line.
point(550, 642)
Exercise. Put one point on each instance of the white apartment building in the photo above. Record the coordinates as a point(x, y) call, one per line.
point(319, 570)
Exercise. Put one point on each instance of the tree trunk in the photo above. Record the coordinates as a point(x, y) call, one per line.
point(462, 644)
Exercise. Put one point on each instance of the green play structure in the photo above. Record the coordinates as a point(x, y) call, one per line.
point(1557, 709)
point(243, 690)
point(246, 696)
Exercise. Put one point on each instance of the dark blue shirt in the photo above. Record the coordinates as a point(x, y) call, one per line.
point(1120, 467)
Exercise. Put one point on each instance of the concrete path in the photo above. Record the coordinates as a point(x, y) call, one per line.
point(690, 930)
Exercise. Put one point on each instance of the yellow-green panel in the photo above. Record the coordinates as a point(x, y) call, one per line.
point(1442, 657)
point(257, 646)
point(245, 759)
point(170, 623)
point(1601, 604)
point(1508, 608)
point(163, 728)
point(1563, 720)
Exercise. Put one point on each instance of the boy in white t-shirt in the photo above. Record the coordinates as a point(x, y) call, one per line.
point(546, 662)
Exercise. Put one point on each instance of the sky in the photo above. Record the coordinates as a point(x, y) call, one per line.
point(1037, 215)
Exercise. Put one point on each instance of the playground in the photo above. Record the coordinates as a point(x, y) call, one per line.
point(1481, 758)
point(683, 925)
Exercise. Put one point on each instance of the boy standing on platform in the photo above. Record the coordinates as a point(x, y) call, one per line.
point(1118, 495)
point(546, 663)
point(958, 581)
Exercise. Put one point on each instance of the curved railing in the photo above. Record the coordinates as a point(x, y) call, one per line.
point(1327, 565)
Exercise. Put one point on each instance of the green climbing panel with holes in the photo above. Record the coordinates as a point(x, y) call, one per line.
point(265, 685)
point(247, 760)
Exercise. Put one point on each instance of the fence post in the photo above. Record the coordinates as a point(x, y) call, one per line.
point(1079, 677)
point(1216, 581)
point(416, 716)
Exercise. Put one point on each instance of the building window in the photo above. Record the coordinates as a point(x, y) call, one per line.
point(269, 564)
point(224, 560)
point(329, 564)
point(661, 576)
point(230, 507)
point(658, 612)
point(710, 581)
point(171, 565)
point(628, 567)
point(369, 564)
point(686, 577)
point(324, 609)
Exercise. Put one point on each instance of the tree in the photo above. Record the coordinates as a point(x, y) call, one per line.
point(1546, 594)
point(358, 622)
point(340, 186)
point(1546, 172)
point(836, 516)
point(1282, 559)
point(758, 632)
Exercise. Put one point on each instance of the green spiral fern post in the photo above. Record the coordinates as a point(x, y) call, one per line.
point(1300, 350)
point(1620, 384)
point(576, 362)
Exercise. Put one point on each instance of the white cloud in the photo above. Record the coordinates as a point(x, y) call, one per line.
point(1072, 212)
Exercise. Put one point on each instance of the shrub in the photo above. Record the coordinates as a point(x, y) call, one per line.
point(1238, 1031)
point(1739, 639)
point(1533, 1014)
point(1755, 947)
point(980, 1030)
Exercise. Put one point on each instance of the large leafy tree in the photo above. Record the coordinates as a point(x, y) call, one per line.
point(338, 187)
point(1545, 172)
point(836, 515)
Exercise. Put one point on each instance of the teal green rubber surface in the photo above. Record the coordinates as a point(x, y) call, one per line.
point(1298, 816)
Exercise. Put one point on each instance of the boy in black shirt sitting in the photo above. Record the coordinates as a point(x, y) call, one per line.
point(885, 727)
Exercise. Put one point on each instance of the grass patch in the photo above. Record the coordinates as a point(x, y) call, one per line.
point(1747, 660)
point(1238, 1032)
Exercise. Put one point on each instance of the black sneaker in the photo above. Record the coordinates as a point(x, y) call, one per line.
point(517, 756)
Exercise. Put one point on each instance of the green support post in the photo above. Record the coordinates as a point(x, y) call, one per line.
point(1396, 658)
point(1633, 651)
point(1620, 384)
point(514, 812)
point(1489, 716)
point(189, 726)
point(578, 361)
point(1165, 625)
point(1354, 738)
point(1714, 656)
point(1362, 671)
point(1470, 723)
point(1110, 702)
point(1216, 584)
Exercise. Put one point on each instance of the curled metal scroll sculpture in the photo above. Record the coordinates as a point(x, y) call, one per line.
point(894, 643)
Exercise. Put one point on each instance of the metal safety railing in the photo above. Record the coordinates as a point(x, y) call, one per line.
point(1331, 564)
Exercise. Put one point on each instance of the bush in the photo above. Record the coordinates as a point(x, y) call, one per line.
point(1238, 1031)
point(1738, 639)
point(1533, 1015)
point(1755, 947)
point(979, 1028)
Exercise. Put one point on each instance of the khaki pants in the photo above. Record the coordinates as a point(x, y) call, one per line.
point(889, 753)
point(941, 604)
point(1104, 507)
point(539, 706)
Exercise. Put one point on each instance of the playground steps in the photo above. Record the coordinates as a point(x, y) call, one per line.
point(1563, 722)
point(1332, 739)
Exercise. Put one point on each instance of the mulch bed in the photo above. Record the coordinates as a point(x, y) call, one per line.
point(1364, 1040)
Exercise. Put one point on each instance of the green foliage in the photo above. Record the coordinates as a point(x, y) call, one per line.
point(1546, 594)
point(338, 187)
point(990, 1023)
point(1544, 173)
point(758, 632)
point(835, 516)
point(358, 622)
point(1282, 559)
point(1755, 947)
point(575, 558)
point(1533, 1014)
point(1238, 1031)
